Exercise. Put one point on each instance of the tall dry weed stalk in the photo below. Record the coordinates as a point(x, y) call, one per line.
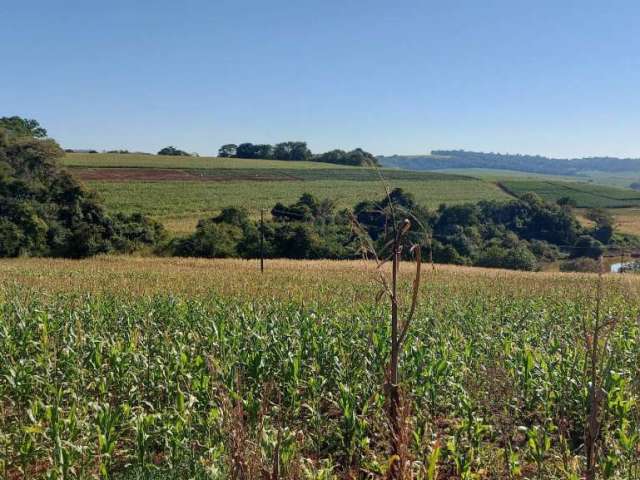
point(596, 336)
point(398, 224)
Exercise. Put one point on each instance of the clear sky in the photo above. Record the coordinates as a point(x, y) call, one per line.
point(554, 77)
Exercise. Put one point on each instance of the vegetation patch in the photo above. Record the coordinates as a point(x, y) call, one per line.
point(583, 194)
point(44, 211)
point(154, 376)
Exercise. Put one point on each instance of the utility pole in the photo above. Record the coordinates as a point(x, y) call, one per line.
point(262, 240)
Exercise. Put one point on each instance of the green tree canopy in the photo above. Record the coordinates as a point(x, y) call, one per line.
point(173, 151)
point(44, 211)
point(227, 151)
point(22, 127)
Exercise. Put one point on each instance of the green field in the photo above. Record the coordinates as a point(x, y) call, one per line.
point(214, 183)
point(126, 368)
point(492, 174)
point(159, 161)
point(181, 190)
point(618, 179)
point(585, 195)
point(188, 198)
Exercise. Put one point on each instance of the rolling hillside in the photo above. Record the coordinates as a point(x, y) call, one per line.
point(609, 170)
point(181, 190)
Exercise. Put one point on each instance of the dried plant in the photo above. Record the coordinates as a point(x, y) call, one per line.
point(398, 227)
point(596, 336)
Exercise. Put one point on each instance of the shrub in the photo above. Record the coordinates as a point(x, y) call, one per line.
point(211, 240)
point(587, 246)
point(544, 250)
point(518, 258)
point(582, 264)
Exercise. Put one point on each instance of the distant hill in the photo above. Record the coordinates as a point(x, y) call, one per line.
point(445, 159)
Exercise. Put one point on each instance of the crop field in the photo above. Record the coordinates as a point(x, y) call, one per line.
point(618, 179)
point(122, 367)
point(586, 195)
point(493, 174)
point(105, 160)
point(180, 190)
point(188, 199)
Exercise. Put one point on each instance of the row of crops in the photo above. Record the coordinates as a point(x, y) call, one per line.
point(584, 194)
point(100, 386)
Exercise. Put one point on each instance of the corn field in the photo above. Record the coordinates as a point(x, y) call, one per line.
point(251, 384)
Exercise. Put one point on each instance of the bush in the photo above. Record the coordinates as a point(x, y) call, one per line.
point(582, 264)
point(514, 235)
point(518, 258)
point(211, 240)
point(587, 246)
point(544, 250)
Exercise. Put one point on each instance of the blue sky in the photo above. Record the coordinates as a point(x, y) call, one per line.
point(558, 77)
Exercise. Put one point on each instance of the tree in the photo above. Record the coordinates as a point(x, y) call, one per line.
point(44, 211)
point(245, 150)
point(263, 151)
point(332, 156)
point(296, 151)
point(211, 240)
point(250, 150)
point(233, 216)
point(604, 224)
point(357, 157)
point(22, 127)
point(228, 150)
point(587, 246)
point(173, 151)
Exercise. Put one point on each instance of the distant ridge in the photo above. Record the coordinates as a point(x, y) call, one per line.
point(445, 159)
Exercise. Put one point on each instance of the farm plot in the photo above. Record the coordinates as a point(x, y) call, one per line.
point(106, 160)
point(158, 380)
point(175, 199)
point(585, 195)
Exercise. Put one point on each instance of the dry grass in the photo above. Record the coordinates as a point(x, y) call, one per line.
point(182, 225)
point(627, 220)
point(309, 281)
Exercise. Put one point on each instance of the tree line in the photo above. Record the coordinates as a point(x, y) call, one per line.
point(519, 234)
point(296, 151)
